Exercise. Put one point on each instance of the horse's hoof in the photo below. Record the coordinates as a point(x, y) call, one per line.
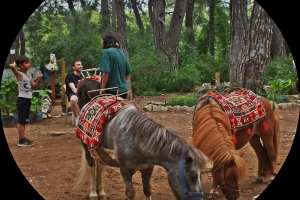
point(102, 197)
point(93, 198)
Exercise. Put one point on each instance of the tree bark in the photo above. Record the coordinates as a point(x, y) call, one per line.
point(121, 26)
point(71, 6)
point(137, 16)
point(113, 15)
point(278, 43)
point(105, 15)
point(261, 31)
point(239, 41)
point(121, 35)
point(22, 41)
point(250, 47)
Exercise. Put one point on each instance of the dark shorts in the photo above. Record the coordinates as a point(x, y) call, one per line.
point(124, 96)
point(23, 106)
point(69, 96)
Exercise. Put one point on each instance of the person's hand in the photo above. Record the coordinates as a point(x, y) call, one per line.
point(40, 75)
point(102, 92)
point(13, 65)
point(293, 62)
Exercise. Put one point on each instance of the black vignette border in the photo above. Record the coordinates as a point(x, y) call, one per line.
point(285, 15)
point(14, 183)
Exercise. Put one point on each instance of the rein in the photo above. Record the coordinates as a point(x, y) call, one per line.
point(186, 193)
point(223, 184)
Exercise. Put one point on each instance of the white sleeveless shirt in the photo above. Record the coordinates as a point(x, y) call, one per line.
point(24, 86)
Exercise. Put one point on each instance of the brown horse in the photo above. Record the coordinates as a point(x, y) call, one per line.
point(213, 134)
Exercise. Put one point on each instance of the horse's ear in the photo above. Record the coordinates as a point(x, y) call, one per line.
point(188, 160)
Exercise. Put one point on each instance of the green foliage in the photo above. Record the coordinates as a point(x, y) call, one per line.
point(8, 96)
point(180, 100)
point(37, 101)
point(208, 66)
point(280, 68)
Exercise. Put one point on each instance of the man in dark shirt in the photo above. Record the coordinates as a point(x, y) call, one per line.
point(71, 87)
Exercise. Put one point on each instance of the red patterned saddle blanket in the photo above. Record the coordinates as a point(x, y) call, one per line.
point(242, 106)
point(94, 115)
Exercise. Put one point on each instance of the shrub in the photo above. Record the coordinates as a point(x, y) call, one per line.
point(181, 100)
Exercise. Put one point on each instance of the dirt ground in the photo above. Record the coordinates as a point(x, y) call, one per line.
point(52, 163)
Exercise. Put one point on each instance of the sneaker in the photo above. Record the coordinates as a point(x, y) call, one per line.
point(25, 142)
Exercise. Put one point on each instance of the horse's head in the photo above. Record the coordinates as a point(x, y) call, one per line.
point(226, 177)
point(185, 179)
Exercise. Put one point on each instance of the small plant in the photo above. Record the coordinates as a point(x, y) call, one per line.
point(37, 101)
point(277, 88)
point(181, 100)
point(8, 96)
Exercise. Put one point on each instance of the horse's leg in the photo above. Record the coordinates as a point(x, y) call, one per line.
point(127, 178)
point(261, 153)
point(93, 195)
point(92, 172)
point(267, 140)
point(146, 176)
point(99, 174)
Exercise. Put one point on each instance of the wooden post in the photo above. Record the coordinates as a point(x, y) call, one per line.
point(53, 87)
point(217, 78)
point(63, 91)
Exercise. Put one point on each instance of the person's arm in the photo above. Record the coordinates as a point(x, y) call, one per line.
point(104, 78)
point(17, 74)
point(73, 88)
point(127, 77)
point(34, 85)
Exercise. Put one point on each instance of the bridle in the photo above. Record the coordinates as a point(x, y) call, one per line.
point(223, 184)
point(186, 193)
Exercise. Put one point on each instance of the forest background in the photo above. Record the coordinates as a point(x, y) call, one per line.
point(171, 45)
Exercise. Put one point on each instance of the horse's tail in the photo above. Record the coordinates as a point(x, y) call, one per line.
point(82, 173)
point(276, 136)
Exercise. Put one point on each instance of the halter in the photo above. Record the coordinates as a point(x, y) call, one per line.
point(186, 193)
point(223, 184)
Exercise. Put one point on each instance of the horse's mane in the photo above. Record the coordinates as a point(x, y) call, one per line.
point(154, 138)
point(212, 135)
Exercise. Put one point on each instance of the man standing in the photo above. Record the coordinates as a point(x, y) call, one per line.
point(71, 87)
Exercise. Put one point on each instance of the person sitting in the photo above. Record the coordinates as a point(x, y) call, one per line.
point(71, 87)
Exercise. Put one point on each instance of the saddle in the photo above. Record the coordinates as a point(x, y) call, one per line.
point(242, 106)
point(94, 115)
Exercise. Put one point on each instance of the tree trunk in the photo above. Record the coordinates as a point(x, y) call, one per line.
point(22, 41)
point(189, 22)
point(121, 26)
point(261, 31)
point(137, 16)
point(239, 41)
point(113, 15)
point(105, 15)
point(250, 50)
point(121, 35)
point(278, 43)
point(211, 29)
point(150, 10)
point(167, 43)
point(71, 6)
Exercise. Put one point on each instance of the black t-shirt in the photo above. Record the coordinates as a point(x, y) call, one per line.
point(71, 78)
